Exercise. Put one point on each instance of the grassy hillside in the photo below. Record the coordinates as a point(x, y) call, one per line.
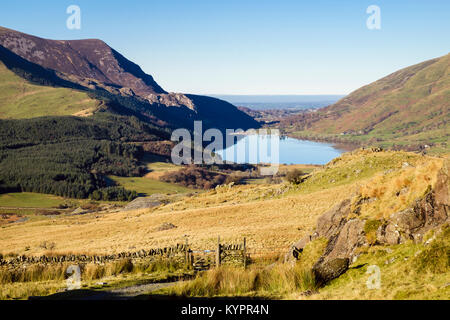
point(407, 108)
point(20, 99)
point(272, 217)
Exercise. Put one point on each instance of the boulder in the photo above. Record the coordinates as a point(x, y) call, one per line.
point(349, 239)
point(410, 219)
point(325, 271)
point(332, 221)
point(144, 203)
point(328, 226)
point(166, 226)
point(388, 234)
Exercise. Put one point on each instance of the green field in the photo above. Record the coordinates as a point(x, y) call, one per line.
point(162, 166)
point(30, 200)
point(21, 100)
point(156, 163)
point(147, 187)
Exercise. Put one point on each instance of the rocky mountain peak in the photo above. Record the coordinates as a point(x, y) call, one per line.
point(82, 61)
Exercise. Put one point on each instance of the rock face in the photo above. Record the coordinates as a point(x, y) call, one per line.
point(171, 100)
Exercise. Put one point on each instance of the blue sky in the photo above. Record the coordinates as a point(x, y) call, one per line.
point(251, 46)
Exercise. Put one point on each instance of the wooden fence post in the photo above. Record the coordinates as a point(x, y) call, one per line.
point(244, 253)
point(218, 252)
point(186, 253)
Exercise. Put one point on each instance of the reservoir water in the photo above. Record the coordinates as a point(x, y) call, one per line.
point(256, 148)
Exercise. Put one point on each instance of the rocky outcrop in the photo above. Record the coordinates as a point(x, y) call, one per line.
point(329, 226)
point(171, 100)
point(429, 212)
point(145, 203)
point(346, 232)
point(388, 234)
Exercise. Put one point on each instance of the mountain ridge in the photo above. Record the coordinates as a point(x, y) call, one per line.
point(92, 65)
point(85, 59)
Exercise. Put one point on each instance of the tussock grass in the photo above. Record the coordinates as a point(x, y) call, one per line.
point(397, 191)
point(91, 271)
point(41, 280)
point(23, 290)
point(231, 281)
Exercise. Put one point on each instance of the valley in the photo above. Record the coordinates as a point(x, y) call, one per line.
point(87, 180)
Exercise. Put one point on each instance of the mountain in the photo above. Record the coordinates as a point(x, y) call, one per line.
point(74, 112)
point(87, 62)
point(92, 66)
point(408, 107)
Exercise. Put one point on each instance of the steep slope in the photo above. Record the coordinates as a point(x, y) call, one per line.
point(410, 106)
point(83, 61)
point(93, 66)
point(20, 99)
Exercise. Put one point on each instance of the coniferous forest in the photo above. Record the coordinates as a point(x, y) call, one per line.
point(70, 156)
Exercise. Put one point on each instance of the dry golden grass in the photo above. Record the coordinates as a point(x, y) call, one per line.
point(398, 190)
point(266, 222)
point(271, 217)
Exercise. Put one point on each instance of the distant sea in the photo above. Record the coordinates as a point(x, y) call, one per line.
point(264, 102)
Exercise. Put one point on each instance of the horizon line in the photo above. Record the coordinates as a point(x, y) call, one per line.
point(274, 94)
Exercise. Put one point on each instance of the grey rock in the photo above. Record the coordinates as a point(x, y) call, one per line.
point(144, 203)
point(331, 222)
point(325, 271)
point(351, 237)
point(388, 234)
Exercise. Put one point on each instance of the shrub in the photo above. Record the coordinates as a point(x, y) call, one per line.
point(195, 177)
point(370, 229)
point(295, 176)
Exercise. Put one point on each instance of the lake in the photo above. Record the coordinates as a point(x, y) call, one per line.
point(256, 148)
